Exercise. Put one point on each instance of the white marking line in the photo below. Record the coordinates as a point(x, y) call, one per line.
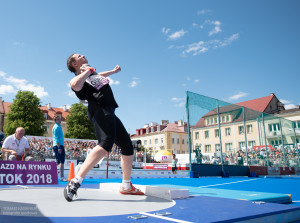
point(165, 218)
point(296, 201)
point(228, 183)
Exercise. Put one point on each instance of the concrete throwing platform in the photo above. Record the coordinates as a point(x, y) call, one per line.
point(50, 202)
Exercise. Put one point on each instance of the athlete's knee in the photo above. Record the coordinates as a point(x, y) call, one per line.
point(106, 144)
point(127, 150)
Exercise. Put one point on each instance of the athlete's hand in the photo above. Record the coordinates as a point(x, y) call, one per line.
point(117, 69)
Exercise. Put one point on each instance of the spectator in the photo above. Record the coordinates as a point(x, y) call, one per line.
point(17, 146)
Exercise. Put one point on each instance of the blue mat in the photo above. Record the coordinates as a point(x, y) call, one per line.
point(236, 194)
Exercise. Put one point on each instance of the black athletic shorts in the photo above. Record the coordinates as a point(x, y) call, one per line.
point(109, 130)
point(60, 157)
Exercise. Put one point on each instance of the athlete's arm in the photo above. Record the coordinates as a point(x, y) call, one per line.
point(77, 82)
point(110, 72)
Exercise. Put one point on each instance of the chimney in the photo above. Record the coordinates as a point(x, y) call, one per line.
point(180, 123)
point(164, 122)
point(49, 106)
point(65, 108)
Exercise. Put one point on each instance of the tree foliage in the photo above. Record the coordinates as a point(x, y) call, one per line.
point(79, 125)
point(25, 112)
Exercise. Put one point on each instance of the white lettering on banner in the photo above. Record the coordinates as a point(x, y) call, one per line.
point(31, 178)
point(39, 167)
point(11, 179)
point(7, 166)
point(21, 167)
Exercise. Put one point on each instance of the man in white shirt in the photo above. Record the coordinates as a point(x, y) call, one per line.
point(17, 146)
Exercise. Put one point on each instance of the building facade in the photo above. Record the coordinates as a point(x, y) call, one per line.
point(155, 137)
point(243, 123)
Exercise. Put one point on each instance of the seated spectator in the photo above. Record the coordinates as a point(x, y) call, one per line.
point(17, 146)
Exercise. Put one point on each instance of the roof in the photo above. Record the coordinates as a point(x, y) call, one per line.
point(173, 127)
point(51, 112)
point(258, 104)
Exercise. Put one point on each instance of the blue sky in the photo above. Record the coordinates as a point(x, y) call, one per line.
point(231, 50)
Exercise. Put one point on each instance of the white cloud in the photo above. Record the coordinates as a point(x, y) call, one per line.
point(112, 82)
point(216, 29)
point(284, 101)
point(6, 89)
point(59, 71)
point(132, 84)
point(177, 99)
point(238, 96)
point(177, 35)
point(196, 81)
point(2, 74)
point(71, 94)
point(203, 47)
point(290, 106)
point(24, 85)
point(196, 48)
point(203, 11)
point(165, 30)
point(229, 40)
point(179, 102)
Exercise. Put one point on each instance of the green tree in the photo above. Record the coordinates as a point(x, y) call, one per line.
point(79, 125)
point(25, 112)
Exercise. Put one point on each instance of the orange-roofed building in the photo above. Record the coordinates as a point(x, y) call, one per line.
point(155, 137)
point(206, 132)
point(48, 111)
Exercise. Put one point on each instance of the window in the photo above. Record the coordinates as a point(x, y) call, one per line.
point(274, 127)
point(145, 142)
point(158, 128)
point(149, 141)
point(177, 141)
point(251, 143)
point(173, 141)
point(241, 130)
point(206, 133)
point(212, 121)
point(276, 142)
point(227, 118)
point(208, 121)
point(242, 144)
point(196, 135)
point(147, 131)
point(156, 141)
point(227, 131)
point(45, 115)
point(207, 148)
point(249, 129)
point(216, 120)
point(223, 118)
point(217, 134)
point(182, 141)
point(162, 141)
point(228, 147)
point(218, 148)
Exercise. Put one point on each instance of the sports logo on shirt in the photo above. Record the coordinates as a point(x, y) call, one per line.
point(97, 81)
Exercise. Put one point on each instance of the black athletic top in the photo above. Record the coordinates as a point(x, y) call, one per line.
point(103, 97)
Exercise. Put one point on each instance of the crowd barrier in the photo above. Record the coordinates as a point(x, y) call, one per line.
point(199, 170)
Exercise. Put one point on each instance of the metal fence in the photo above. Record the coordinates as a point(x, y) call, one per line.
point(229, 134)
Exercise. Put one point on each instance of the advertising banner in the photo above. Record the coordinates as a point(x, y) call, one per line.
point(28, 173)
